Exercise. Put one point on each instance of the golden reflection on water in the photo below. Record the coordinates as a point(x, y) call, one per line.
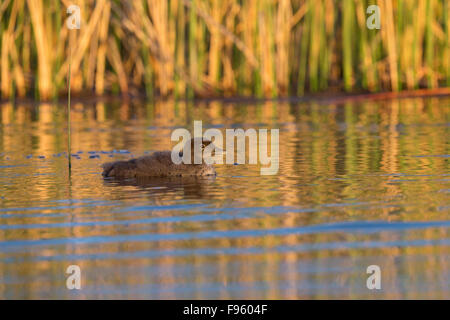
point(358, 184)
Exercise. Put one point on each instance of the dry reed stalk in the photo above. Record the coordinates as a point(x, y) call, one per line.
point(228, 34)
point(36, 10)
point(113, 55)
point(89, 73)
point(265, 55)
point(315, 45)
point(26, 43)
point(418, 40)
point(215, 44)
point(83, 41)
point(365, 55)
point(229, 75)
point(303, 54)
point(447, 42)
point(248, 20)
point(298, 16)
point(155, 33)
point(329, 43)
point(347, 47)
point(429, 45)
point(138, 68)
point(158, 12)
point(282, 37)
point(8, 50)
point(101, 52)
point(4, 6)
point(19, 78)
point(406, 43)
point(180, 84)
point(5, 75)
point(5, 86)
point(148, 40)
point(390, 40)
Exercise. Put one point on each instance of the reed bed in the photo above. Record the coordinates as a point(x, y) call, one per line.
point(187, 48)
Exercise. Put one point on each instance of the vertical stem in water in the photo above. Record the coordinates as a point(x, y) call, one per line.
point(69, 155)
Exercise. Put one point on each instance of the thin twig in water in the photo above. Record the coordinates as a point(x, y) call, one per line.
point(68, 111)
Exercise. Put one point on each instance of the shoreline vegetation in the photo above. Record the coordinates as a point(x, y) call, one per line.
point(336, 98)
point(201, 49)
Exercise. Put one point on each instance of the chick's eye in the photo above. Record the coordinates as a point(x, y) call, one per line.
point(203, 146)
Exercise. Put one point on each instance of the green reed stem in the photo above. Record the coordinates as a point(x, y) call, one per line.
point(304, 41)
point(429, 43)
point(347, 34)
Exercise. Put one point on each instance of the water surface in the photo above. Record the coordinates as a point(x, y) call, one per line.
point(358, 185)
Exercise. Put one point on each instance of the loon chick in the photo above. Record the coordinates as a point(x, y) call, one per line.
point(159, 164)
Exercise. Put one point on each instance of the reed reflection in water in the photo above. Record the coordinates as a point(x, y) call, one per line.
point(358, 184)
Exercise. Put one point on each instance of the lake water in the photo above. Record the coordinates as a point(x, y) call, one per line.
point(359, 184)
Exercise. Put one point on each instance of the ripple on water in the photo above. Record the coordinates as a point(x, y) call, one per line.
point(359, 184)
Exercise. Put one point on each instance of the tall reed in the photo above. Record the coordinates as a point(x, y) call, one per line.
point(187, 48)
